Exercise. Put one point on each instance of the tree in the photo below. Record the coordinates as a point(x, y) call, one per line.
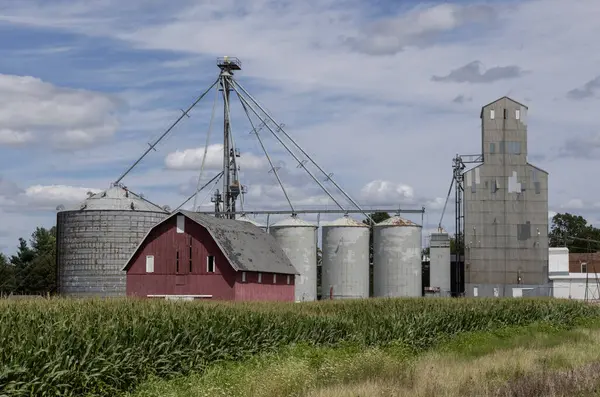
point(7, 276)
point(571, 230)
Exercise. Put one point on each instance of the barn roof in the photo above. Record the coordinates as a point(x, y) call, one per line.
point(246, 247)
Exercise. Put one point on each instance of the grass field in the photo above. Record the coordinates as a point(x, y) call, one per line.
point(107, 348)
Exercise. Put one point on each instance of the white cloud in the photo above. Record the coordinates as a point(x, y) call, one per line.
point(386, 192)
point(53, 195)
point(191, 159)
point(32, 110)
point(574, 204)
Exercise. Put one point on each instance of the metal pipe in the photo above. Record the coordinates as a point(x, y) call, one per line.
point(267, 155)
point(299, 148)
point(243, 100)
point(342, 211)
point(185, 113)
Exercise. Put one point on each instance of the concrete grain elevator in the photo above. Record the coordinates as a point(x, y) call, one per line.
point(505, 210)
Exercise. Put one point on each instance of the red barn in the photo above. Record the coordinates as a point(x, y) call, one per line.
point(190, 255)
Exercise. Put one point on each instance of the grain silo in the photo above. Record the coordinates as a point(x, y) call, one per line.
point(345, 271)
point(95, 241)
point(244, 218)
point(439, 265)
point(298, 239)
point(397, 258)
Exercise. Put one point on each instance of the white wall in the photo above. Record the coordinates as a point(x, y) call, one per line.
point(574, 287)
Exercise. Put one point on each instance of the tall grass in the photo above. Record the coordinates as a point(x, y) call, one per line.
point(68, 347)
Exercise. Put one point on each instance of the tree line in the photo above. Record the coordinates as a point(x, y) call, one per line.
point(32, 270)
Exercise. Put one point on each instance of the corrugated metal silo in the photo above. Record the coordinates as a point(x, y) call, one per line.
point(298, 239)
point(397, 258)
point(244, 218)
point(345, 271)
point(439, 265)
point(95, 241)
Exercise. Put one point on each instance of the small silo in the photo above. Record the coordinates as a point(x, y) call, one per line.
point(95, 240)
point(244, 218)
point(345, 268)
point(439, 265)
point(397, 258)
point(298, 239)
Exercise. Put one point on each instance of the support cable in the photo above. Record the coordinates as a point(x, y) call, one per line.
point(152, 146)
point(268, 157)
point(210, 124)
point(217, 177)
point(445, 205)
point(301, 163)
point(235, 83)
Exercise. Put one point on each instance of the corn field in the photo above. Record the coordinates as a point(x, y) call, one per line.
point(61, 347)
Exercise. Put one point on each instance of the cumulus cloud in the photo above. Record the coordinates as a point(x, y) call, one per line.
point(588, 90)
point(386, 192)
point(191, 159)
point(32, 110)
point(473, 73)
point(419, 27)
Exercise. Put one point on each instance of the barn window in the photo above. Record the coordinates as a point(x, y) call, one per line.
point(583, 267)
point(210, 264)
point(259, 277)
point(150, 264)
point(243, 277)
point(274, 278)
point(492, 114)
point(177, 262)
point(180, 224)
point(288, 279)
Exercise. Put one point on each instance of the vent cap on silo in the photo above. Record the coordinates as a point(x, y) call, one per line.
point(292, 221)
point(396, 221)
point(345, 221)
point(118, 198)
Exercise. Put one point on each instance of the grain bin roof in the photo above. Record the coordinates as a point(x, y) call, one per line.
point(118, 198)
point(292, 221)
point(345, 221)
point(246, 247)
point(396, 221)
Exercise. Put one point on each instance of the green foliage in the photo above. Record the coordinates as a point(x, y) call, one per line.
point(570, 230)
point(101, 348)
point(32, 269)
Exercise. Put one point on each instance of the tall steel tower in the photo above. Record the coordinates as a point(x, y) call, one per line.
point(231, 184)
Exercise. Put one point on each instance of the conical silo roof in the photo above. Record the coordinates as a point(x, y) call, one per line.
point(118, 198)
point(244, 218)
point(292, 221)
point(345, 221)
point(396, 221)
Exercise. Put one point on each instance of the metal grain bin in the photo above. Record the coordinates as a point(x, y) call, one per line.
point(95, 241)
point(397, 258)
point(298, 239)
point(345, 271)
point(439, 267)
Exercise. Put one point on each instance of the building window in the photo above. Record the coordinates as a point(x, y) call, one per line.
point(243, 277)
point(288, 279)
point(259, 277)
point(517, 114)
point(583, 267)
point(492, 114)
point(514, 147)
point(274, 278)
point(492, 147)
point(177, 262)
point(505, 114)
point(149, 263)
point(180, 223)
point(210, 264)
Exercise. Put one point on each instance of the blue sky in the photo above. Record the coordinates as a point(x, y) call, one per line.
point(85, 85)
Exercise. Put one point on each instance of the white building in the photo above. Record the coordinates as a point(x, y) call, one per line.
point(569, 285)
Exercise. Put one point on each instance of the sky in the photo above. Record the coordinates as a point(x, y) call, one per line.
point(381, 95)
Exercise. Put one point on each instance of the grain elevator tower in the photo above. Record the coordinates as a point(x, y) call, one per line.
point(505, 210)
